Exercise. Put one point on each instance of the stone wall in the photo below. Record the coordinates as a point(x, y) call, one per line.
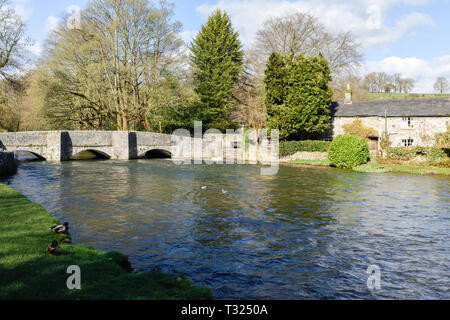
point(422, 130)
point(8, 165)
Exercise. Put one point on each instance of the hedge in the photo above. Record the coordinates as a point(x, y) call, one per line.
point(288, 148)
point(347, 151)
point(409, 153)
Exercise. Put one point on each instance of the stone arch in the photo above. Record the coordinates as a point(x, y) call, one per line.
point(87, 154)
point(156, 154)
point(38, 156)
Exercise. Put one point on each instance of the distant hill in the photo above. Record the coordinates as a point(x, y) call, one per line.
point(403, 96)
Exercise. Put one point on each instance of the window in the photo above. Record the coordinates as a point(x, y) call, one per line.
point(407, 142)
point(407, 122)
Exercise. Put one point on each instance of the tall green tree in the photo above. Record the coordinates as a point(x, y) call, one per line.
point(275, 89)
point(298, 96)
point(217, 61)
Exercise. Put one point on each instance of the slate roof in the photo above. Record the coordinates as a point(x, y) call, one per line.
point(439, 107)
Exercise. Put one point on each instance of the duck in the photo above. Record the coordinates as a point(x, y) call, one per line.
point(224, 191)
point(53, 248)
point(204, 187)
point(61, 228)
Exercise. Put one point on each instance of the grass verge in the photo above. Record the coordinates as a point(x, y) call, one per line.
point(323, 162)
point(373, 167)
point(413, 169)
point(28, 272)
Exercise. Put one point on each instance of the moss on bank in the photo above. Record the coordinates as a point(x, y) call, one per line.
point(28, 272)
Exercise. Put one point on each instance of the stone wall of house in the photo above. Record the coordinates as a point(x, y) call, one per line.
point(422, 130)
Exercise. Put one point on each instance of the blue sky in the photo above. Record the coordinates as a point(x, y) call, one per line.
point(406, 36)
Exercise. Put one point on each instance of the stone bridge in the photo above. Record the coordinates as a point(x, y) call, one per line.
point(127, 145)
point(64, 145)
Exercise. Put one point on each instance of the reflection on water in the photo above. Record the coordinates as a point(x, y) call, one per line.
point(306, 233)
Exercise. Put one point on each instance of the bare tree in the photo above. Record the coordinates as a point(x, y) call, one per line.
point(441, 85)
point(249, 109)
point(370, 82)
point(396, 79)
point(105, 73)
point(407, 85)
point(382, 81)
point(300, 33)
point(12, 41)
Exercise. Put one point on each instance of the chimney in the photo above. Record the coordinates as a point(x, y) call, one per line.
point(348, 95)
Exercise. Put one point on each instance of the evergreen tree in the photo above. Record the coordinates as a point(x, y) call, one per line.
point(275, 88)
point(298, 96)
point(217, 60)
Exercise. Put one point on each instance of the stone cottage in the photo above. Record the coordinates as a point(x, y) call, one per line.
point(408, 122)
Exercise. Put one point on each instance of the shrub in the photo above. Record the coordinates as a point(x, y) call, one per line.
point(443, 139)
point(347, 151)
point(356, 128)
point(288, 148)
point(442, 163)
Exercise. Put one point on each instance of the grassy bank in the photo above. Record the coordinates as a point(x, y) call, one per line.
point(413, 169)
point(28, 272)
point(373, 167)
point(324, 162)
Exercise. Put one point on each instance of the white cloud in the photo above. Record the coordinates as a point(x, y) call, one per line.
point(425, 73)
point(36, 49)
point(23, 8)
point(365, 18)
point(51, 24)
point(188, 35)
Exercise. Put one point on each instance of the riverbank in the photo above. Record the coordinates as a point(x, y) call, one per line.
point(28, 272)
point(373, 167)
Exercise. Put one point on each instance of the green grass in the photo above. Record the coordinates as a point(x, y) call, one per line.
point(413, 169)
point(402, 96)
point(373, 167)
point(28, 272)
point(324, 162)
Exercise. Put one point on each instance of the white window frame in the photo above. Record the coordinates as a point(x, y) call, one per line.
point(407, 123)
point(408, 142)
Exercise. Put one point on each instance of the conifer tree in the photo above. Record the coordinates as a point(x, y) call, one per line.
point(298, 96)
point(217, 61)
point(275, 89)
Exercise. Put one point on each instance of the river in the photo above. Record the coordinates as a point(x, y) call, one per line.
point(306, 233)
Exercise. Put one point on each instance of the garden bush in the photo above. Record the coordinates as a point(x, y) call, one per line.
point(443, 139)
point(288, 148)
point(356, 128)
point(347, 151)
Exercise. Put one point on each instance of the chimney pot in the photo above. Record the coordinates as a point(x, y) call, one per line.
point(348, 95)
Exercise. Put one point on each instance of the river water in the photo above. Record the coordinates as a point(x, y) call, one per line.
point(306, 233)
